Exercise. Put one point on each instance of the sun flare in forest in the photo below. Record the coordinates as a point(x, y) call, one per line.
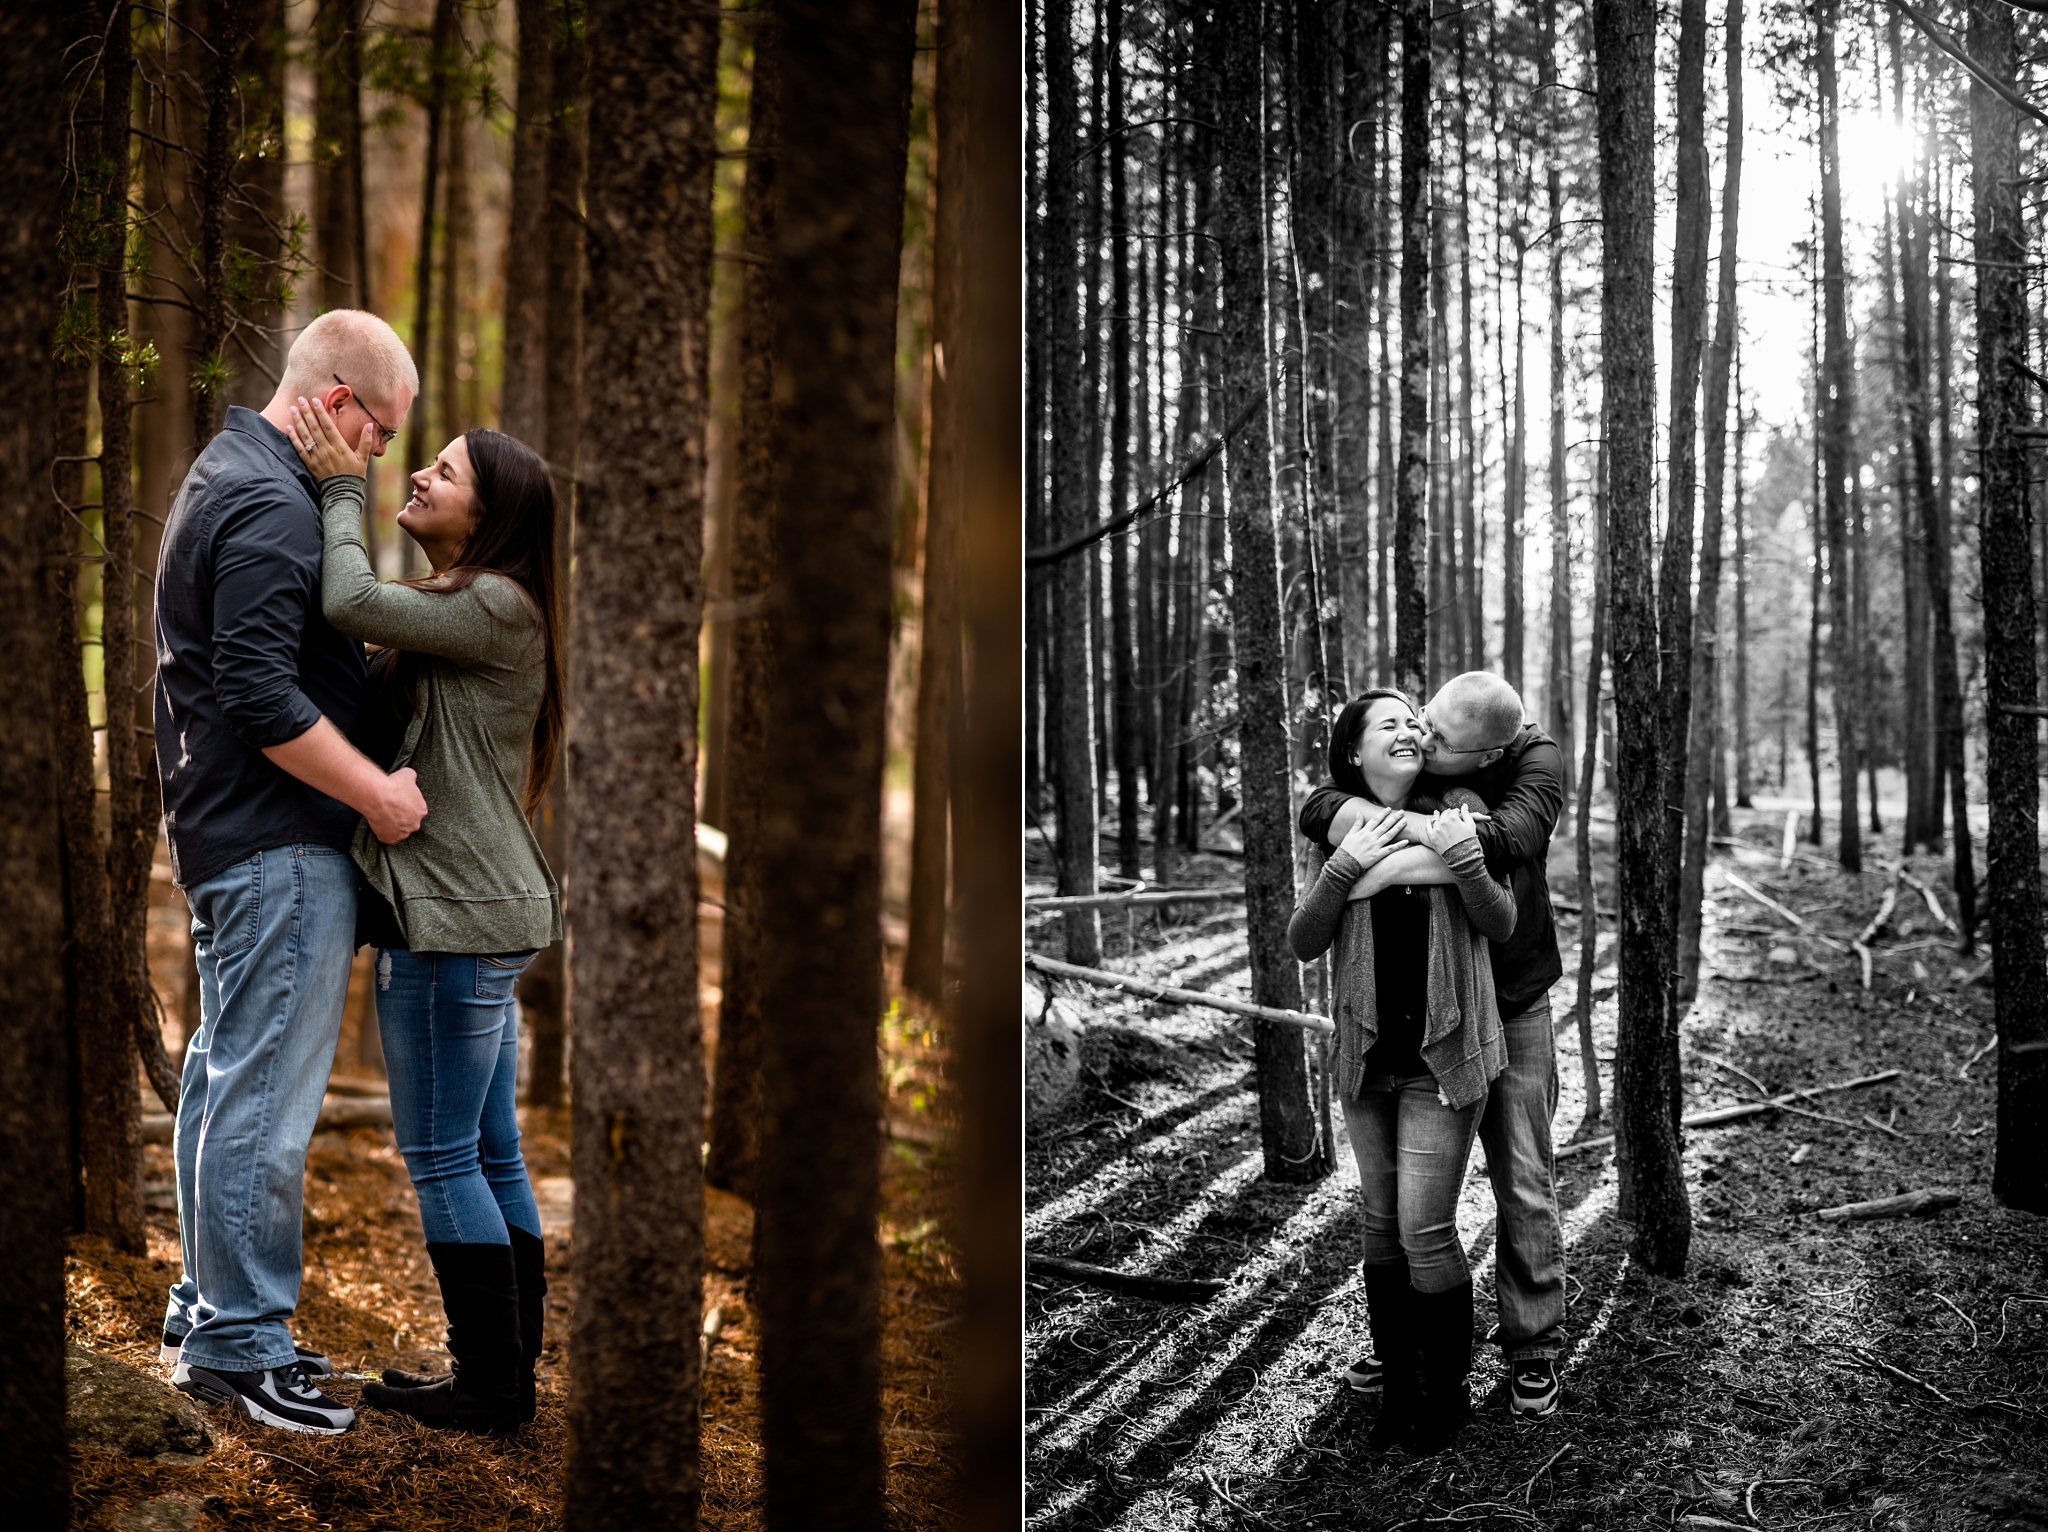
point(1876, 152)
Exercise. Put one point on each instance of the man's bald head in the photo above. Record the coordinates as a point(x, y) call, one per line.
point(1473, 718)
point(363, 351)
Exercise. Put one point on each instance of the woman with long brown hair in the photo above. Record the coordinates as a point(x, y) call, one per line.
point(467, 691)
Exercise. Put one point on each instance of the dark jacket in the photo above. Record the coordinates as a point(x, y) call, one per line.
point(1524, 792)
point(244, 658)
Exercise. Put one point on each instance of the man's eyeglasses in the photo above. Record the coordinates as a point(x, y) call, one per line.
point(1433, 734)
point(386, 435)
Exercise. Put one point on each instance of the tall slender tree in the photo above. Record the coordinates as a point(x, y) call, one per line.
point(34, 1110)
point(1703, 743)
point(1287, 1124)
point(1558, 691)
point(839, 221)
point(2019, 975)
point(639, 1081)
point(1411, 615)
point(1837, 451)
point(1647, 1143)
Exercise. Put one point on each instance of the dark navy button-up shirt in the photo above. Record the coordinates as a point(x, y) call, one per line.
point(244, 658)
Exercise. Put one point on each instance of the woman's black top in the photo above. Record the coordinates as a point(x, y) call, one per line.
point(1400, 947)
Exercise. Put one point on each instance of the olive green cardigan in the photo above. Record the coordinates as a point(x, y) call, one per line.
point(472, 877)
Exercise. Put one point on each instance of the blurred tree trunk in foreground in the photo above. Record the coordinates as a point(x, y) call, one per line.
point(839, 225)
point(639, 1071)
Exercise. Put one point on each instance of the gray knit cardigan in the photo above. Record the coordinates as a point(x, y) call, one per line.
point(1461, 1039)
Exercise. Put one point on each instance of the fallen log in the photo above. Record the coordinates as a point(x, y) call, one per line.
point(1719, 1115)
point(1152, 991)
point(1165, 1289)
point(1791, 839)
point(1130, 900)
point(1906, 1205)
point(1884, 913)
point(335, 1112)
point(1933, 904)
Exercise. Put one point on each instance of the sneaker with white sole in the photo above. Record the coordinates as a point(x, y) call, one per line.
point(1365, 1375)
point(281, 1396)
point(316, 1365)
point(1533, 1388)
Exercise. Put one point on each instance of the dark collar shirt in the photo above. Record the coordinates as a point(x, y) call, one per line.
point(244, 658)
point(1524, 793)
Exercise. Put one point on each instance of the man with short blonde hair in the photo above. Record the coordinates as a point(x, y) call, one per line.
point(257, 700)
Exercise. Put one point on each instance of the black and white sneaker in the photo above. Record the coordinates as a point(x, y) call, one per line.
point(283, 1397)
point(1365, 1375)
point(316, 1365)
point(1533, 1388)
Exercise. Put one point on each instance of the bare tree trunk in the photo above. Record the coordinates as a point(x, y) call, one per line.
point(1836, 443)
point(846, 79)
point(256, 214)
point(978, 41)
point(457, 241)
point(1703, 744)
point(1647, 1142)
point(34, 1126)
point(1558, 691)
point(1948, 687)
point(1411, 615)
point(1075, 775)
point(523, 404)
point(1359, 105)
point(734, 1155)
point(938, 686)
point(1464, 471)
point(1124, 683)
point(1917, 510)
point(544, 994)
point(228, 32)
point(1589, 892)
point(1674, 596)
point(2019, 983)
point(1742, 742)
point(639, 1078)
point(440, 62)
point(1287, 1122)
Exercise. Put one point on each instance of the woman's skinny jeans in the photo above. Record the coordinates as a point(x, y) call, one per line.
point(451, 1047)
point(1411, 1151)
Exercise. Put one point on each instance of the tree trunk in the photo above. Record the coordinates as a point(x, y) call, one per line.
point(338, 149)
point(978, 43)
point(1074, 777)
point(1948, 689)
point(1917, 511)
point(735, 1150)
point(1559, 688)
point(1674, 595)
point(1589, 892)
point(639, 1080)
point(2019, 985)
point(457, 241)
point(34, 1126)
point(1838, 466)
point(228, 32)
point(1647, 1143)
point(256, 215)
point(1358, 107)
point(523, 402)
point(938, 685)
point(816, 1273)
point(1411, 614)
point(1287, 1121)
point(1703, 745)
point(1124, 682)
point(440, 63)
point(1463, 472)
point(544, 987)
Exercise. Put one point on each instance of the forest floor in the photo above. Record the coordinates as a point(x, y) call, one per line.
point(1803, 1374)
point(369, 1301)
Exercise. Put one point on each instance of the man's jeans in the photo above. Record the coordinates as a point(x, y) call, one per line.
point(273, 936)
point(1411, 1151)
point(1528, 1280)
point(451, 1047)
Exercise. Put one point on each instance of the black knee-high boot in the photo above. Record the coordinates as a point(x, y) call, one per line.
point(1389, 1310)
point(529, 1266)
point(1444, 1353)
point(480, 1293)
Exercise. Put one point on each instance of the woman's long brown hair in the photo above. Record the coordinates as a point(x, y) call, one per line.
point(515, 538)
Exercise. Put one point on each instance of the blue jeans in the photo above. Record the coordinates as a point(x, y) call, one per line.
point(1528, 1278)
point(272, 937)
point(1411, 1151)
point(451, 1048)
